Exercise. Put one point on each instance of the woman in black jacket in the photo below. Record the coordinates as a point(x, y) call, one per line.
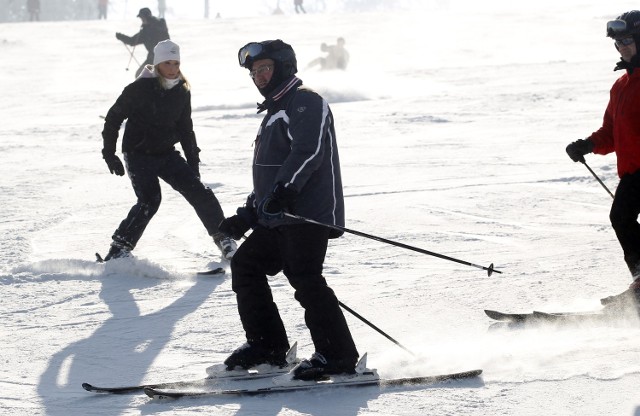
point(157, 107)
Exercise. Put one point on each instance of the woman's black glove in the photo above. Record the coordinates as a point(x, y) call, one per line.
point(114, 163)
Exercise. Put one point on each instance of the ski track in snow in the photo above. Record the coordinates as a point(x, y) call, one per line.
point(450, 140)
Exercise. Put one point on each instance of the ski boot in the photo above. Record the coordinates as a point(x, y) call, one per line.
point(226, 245)
point(116, 251)
point(318, 367)
point(249, 356)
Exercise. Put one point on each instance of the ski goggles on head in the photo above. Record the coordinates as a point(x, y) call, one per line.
point(249, 52)
point(617, 28)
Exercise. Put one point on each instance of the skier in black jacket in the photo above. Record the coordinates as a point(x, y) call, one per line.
point(152, 31)
point(296, 169)
point(157, 107)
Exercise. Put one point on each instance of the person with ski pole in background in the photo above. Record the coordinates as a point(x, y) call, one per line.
point(152, 31)
point(296, 169)
point(157, 107)
point(620, 133)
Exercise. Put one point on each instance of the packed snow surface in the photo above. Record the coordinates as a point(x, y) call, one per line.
point(452, 119)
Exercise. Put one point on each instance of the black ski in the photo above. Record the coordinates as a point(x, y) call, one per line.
point(137, 388)
point(537, 316)
point(211, 380)
point(211, 272)
point(366, 379)
point(216, 376)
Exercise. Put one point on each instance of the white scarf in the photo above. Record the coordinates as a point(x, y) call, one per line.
point(167, 84)
point(170, 83)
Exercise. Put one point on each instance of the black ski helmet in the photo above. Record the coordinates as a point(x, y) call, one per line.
point(282, 54)
point(627, 24)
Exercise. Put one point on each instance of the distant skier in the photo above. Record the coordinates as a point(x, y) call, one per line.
point(162, 6)
point(152, 31)
point(620, 133)
point(337, 56)
point(33, 7)
point(157, 107)
point(295, 169)
point(298, 6)
point(103, 5)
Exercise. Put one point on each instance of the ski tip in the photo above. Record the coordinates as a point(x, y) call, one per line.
point(508, 317)
point(472, 373)
point(499, 316)
point(152, 393)
point(87, 386)
point(212, 272)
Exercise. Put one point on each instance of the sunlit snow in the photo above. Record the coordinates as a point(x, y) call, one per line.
point(452, 119)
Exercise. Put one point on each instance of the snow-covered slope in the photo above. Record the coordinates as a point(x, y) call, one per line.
point(452, 121)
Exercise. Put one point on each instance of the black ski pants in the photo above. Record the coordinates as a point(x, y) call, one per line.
point(145, 172)
point(298, 251)
point(624, 219)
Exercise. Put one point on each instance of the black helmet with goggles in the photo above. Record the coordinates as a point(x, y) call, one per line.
point(282, 54)
point(277, 50)
point(625, 25)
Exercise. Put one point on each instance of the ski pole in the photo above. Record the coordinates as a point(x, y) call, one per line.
point(131, 51)
point(489, 269)
point(598, 179)
point(357, 315)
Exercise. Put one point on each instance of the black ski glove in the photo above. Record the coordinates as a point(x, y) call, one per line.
point(114, 163)
point(193, 160)
point(578, 149)
point(281, 199)
point(191, 152)
point(237, 225)
point(120, 36)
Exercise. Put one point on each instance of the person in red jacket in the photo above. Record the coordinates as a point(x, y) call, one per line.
point(620, 133)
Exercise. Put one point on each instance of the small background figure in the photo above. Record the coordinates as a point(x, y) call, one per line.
point(298, 5)
point(33, 7)
point(162, 6)
point(278, 10)
point(102, 9)
point(337, 56)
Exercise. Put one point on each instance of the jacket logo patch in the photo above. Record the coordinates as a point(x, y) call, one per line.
point(301, 109)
